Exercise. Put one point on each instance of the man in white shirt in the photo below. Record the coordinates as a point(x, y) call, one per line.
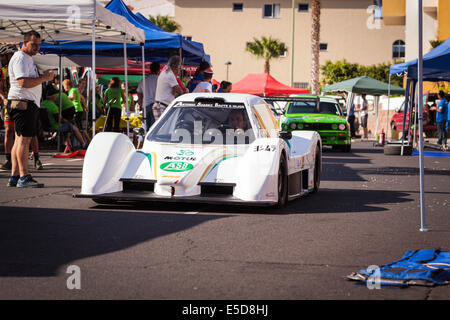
point(150, 92)
point(23, 100)
point(167, 87)
point(205, 85)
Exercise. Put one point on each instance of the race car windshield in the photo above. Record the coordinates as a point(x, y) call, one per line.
point(310, 107)
point(330, 108)
point(191, 123)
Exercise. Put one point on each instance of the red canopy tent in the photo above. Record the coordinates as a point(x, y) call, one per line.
point(263, 84)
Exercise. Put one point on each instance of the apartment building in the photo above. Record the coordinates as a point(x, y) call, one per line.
point(350, 29)
point(436, 22)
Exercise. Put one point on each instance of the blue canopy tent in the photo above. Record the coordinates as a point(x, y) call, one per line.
point(436, 67)
point(433, 66)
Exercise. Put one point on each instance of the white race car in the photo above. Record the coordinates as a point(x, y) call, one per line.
point(206, 147)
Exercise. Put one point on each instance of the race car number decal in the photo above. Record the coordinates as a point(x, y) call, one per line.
point(185, 152)
point(270, 148)
point(176, 166)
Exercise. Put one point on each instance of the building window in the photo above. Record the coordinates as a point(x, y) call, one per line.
point(324, 47)
point(271, 10)
point(398, 49)
point(303, 7)
point(301, 85)
point(238, 6)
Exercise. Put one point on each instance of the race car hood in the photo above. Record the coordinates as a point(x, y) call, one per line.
point(318, 117)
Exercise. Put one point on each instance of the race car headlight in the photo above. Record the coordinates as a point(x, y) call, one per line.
point(293, 126)
point(300, 126)
point(342, 126)
point(334, 126)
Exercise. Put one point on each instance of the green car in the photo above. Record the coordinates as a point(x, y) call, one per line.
point(317, 113)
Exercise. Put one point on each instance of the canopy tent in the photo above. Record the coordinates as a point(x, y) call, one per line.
point(365, 85)
point(436, 67)
point(159, 45)
point(436, 64)
point(263, 84)
point(65, 20)
point(155, 36)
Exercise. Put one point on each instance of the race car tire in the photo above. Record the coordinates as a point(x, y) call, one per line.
point(317, 170)
point(282, 182)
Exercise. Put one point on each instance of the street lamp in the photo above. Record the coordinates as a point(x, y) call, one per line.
point(227, 64)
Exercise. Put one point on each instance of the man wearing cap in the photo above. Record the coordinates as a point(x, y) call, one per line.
point(6, 52)
point(199, 76)
point(167, 87)
point(23, 99)
point(205, 85)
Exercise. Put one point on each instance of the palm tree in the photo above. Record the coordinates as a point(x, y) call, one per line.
point(266, 48)
point(315, 46)
point(165, 22)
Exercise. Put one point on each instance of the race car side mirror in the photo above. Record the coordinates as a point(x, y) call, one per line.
point(139, 131)
point(286, 135)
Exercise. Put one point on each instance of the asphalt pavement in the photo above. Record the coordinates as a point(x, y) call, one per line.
point(366, 213)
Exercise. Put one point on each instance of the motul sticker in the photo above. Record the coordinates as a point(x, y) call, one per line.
point(176, 166)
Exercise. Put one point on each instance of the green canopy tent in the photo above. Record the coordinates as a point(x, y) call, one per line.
point(365, 85)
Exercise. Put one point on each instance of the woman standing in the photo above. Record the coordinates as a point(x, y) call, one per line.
point(80, 106)
point(112, 105)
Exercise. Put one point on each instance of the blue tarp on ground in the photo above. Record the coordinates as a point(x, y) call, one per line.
point(419, 267)
point(436, 64)
point(159, 45)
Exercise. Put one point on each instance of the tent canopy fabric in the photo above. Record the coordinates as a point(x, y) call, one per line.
point(159, 45)
point(64, 20)
point(365, 85)
point(155, 34)
point(436, 64)
point(263, 84)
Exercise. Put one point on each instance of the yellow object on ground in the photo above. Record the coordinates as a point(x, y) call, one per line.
point(134, 122)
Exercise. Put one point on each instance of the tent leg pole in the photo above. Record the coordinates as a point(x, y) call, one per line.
point(60, 100)
point(420, 105)
point(389, 100)
point(94, 100)
point(377, 103)
point(405, 111)
point(125, 62)
point(144, 107)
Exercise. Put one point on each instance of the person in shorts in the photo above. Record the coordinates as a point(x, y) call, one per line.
point(6, 53)
point(23, 99)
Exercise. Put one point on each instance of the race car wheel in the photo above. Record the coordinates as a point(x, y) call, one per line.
point(317, 169)
point(282, 182)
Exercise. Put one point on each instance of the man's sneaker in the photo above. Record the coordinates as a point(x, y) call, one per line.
point(28, 182)
point(38, 165)
point(12, 181)
point(6, 166)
